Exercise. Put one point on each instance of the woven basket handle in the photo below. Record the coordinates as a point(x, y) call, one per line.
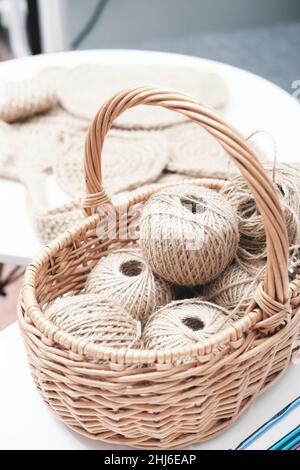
point(274, 296)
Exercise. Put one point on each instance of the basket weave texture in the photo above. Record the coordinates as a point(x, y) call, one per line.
point(167, 398)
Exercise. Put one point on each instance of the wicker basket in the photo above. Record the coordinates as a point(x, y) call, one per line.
point(173, 397)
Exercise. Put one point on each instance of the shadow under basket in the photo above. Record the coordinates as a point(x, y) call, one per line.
point(170, 398)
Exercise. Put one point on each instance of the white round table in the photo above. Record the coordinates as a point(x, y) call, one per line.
point(254, 104)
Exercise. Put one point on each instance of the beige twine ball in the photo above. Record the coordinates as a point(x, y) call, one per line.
point(294, 262)
point(130, 159)
point(125, 277)
point(187, 292)
point(235, 287)
point(188, 234)
point(195, 152)
point(251, 227)
point(97, 320)
point(184, 323)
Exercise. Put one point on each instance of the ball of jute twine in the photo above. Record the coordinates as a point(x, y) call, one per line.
point(94, 319)
point(125, 277)
point(184, 323)
point(235, 287)
point(188, 234)
point(251, 227)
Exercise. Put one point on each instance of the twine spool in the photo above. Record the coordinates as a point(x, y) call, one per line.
point(184, 323)
point(188, 234)
point(253, 236)
point(294, 262)
point(235, 287)
point(94, 319)
point(125, 277)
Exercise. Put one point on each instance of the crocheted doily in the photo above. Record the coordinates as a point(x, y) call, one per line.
point(194, 152)
point(130, 159)
point(85, 88)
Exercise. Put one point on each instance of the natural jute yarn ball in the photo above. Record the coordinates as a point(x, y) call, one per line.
point(251, 227)
point(188, 234)
point(97, 320)
point(184, 323)
point(235, 287)
point(125, 277)
point(51, 223)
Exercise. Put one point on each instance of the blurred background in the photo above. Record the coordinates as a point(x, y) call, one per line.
point(259, 35)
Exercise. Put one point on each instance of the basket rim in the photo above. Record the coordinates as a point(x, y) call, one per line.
point(235, 332)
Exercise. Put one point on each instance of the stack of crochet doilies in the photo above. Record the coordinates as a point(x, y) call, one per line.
point(45, 120)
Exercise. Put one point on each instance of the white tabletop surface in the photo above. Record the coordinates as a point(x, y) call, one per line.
point(26, 423)
point(254, 104)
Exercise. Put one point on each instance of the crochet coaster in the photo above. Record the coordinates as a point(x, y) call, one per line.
point(194, 152)
point(130, 159)
point(51, 223)
point(85, 88)
point(36, 143)
point(7, 144)
point(23, 98)
point(53, 76)
point(59, 119)
point(125, 278)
